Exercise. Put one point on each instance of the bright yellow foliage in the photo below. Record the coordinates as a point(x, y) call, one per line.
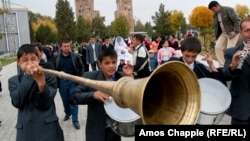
point(44, 21)
point(3, 11)
point(242, 11)
point(201, 17)
point(177, 19)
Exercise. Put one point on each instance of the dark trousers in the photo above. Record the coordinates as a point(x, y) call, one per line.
point(110, 135)
point(93, 66)
point(66, 87)
point(235, 121)
point(86, 66)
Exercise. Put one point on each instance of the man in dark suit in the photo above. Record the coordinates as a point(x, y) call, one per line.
point(106, 44)
point(97, 126)
point(190, 48)
point(82, 50)
point(32, 93)
point(240, 84)
point(92, 54)
point(71, 63)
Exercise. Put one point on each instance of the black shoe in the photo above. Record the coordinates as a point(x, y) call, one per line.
point(76, 125)
point(66, 118)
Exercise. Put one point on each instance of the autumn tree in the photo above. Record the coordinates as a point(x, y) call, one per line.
point(83, 29)
point(46, 22)
point(33, 18)
point(161, 21)
point(242, 11)
point(120, 27)
point(36, 20)
point(64, 20)
point(45, 35)
point(2, 11)
point(178, 21)
point(202, 18)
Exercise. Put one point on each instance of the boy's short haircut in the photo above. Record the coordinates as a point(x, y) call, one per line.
point(65, 41)
point(107, 53)
point(192, 44)
point(91, 36)
point(105, 38)
point(26, 49)
point(212, 4)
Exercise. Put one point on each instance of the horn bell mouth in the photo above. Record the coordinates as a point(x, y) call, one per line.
point(171, 96)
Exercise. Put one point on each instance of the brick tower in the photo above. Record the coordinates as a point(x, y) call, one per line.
point(85, 8)
point(125, 8)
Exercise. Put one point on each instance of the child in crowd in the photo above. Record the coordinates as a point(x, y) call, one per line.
point(32, 93)
point(153, 60)
point(122, 63)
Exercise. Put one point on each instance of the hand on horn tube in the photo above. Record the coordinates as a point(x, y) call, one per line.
point(98, 95)
point(35, 71)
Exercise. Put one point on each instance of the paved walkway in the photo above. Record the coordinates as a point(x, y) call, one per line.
point(8, 113)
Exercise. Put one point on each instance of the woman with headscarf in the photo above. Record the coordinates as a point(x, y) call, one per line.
point(122, 50)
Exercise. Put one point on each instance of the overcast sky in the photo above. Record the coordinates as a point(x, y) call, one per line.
point(143, 9)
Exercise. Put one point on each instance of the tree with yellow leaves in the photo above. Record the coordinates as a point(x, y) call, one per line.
point(45, 22)
point(2, 11)
point(41, 22)
point(242, 11)
point(178, 21)
point(202, 19)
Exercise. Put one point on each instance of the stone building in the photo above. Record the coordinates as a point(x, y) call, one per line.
point(14, 27)
point(125, 8)
point(85, 8)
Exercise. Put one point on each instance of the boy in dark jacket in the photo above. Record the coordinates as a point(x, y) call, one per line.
point(32, 93)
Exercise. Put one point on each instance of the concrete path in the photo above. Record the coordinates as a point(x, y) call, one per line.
point(8, 114)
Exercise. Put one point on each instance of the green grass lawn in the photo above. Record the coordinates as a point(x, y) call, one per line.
point(7, 60)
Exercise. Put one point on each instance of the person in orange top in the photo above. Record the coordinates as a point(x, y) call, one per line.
point(155, 43)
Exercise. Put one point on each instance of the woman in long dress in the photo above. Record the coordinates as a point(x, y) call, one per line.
point(122, 50)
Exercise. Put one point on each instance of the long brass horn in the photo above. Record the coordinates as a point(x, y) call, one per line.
point(170, 95)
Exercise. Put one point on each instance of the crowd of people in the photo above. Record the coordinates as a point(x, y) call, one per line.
point(110, 61)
